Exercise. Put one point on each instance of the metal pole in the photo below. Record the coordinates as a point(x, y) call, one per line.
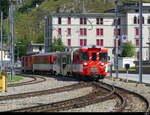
point(1, 41)
point(140, 40)
point(11, 40)
point(116, 37)
point(45, 34)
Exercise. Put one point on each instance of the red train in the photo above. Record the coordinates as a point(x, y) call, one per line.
point(89, 62)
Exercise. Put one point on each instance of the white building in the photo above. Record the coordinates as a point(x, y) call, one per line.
point(79, 29)
point(5, 58)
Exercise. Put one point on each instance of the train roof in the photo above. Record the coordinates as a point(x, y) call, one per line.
point(41, 54)
point(92, 46)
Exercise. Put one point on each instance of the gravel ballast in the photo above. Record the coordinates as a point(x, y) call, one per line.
point(55, 82)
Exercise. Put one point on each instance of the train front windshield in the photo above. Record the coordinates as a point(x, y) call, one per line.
point(103, 56)
point(84, 56)
point(93, 56)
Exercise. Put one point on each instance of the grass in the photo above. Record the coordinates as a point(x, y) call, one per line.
point(16, 78)
point(130, 69)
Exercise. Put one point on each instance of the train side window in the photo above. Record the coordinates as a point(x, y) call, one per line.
point(93, 56)
point(103, 56)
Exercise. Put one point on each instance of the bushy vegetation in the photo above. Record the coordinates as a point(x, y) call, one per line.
point(58, 45)
point(128, 50)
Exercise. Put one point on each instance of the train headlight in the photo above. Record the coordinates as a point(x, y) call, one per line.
point(85, 63)
point(102, 64)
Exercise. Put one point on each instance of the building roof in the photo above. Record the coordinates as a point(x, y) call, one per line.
point(128, 6)
point(85, 14)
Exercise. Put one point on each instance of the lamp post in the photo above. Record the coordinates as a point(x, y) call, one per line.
point(11, 37)
point(140, 40)
point(1, 41)
point(116, 37)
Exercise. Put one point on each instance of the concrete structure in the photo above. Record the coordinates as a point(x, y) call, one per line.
point(35, 48)
point(78, 29)
point(126, 60)
point(5, 58)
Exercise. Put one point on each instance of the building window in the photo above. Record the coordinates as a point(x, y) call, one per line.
point(69, 31)
point(69, 20)
point(135, 20)
point(69, 42)
point(59, 20)
point(59, 31)
point(99, 42)
point(83, 31)
point(117, 32)
point(119, 42)
point(136, 31)
point(83, 42)
point(83, 21)
point(40, 48)
point(99, 21)
point(137, 42)
point(136, 10)
point(142, 20)
point(99, 32)
point(119, 21)
point(148, 20)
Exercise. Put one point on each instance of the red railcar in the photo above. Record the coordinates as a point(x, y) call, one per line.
point(89, 62)
point(43, 62)
point(27, 63)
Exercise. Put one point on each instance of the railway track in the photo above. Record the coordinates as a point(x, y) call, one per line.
point(102, 92)
point(97, 95)
point(35, 79)
point(45, 92)
point(128, 101)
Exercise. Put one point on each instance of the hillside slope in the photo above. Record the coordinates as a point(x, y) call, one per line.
point(29, 25)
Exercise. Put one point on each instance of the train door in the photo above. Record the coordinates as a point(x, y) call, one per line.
point(63, 65)
point(57, 66)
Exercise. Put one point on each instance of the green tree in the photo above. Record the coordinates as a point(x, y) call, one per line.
point(58, 45)
point(128, 49)
point(4, 6)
